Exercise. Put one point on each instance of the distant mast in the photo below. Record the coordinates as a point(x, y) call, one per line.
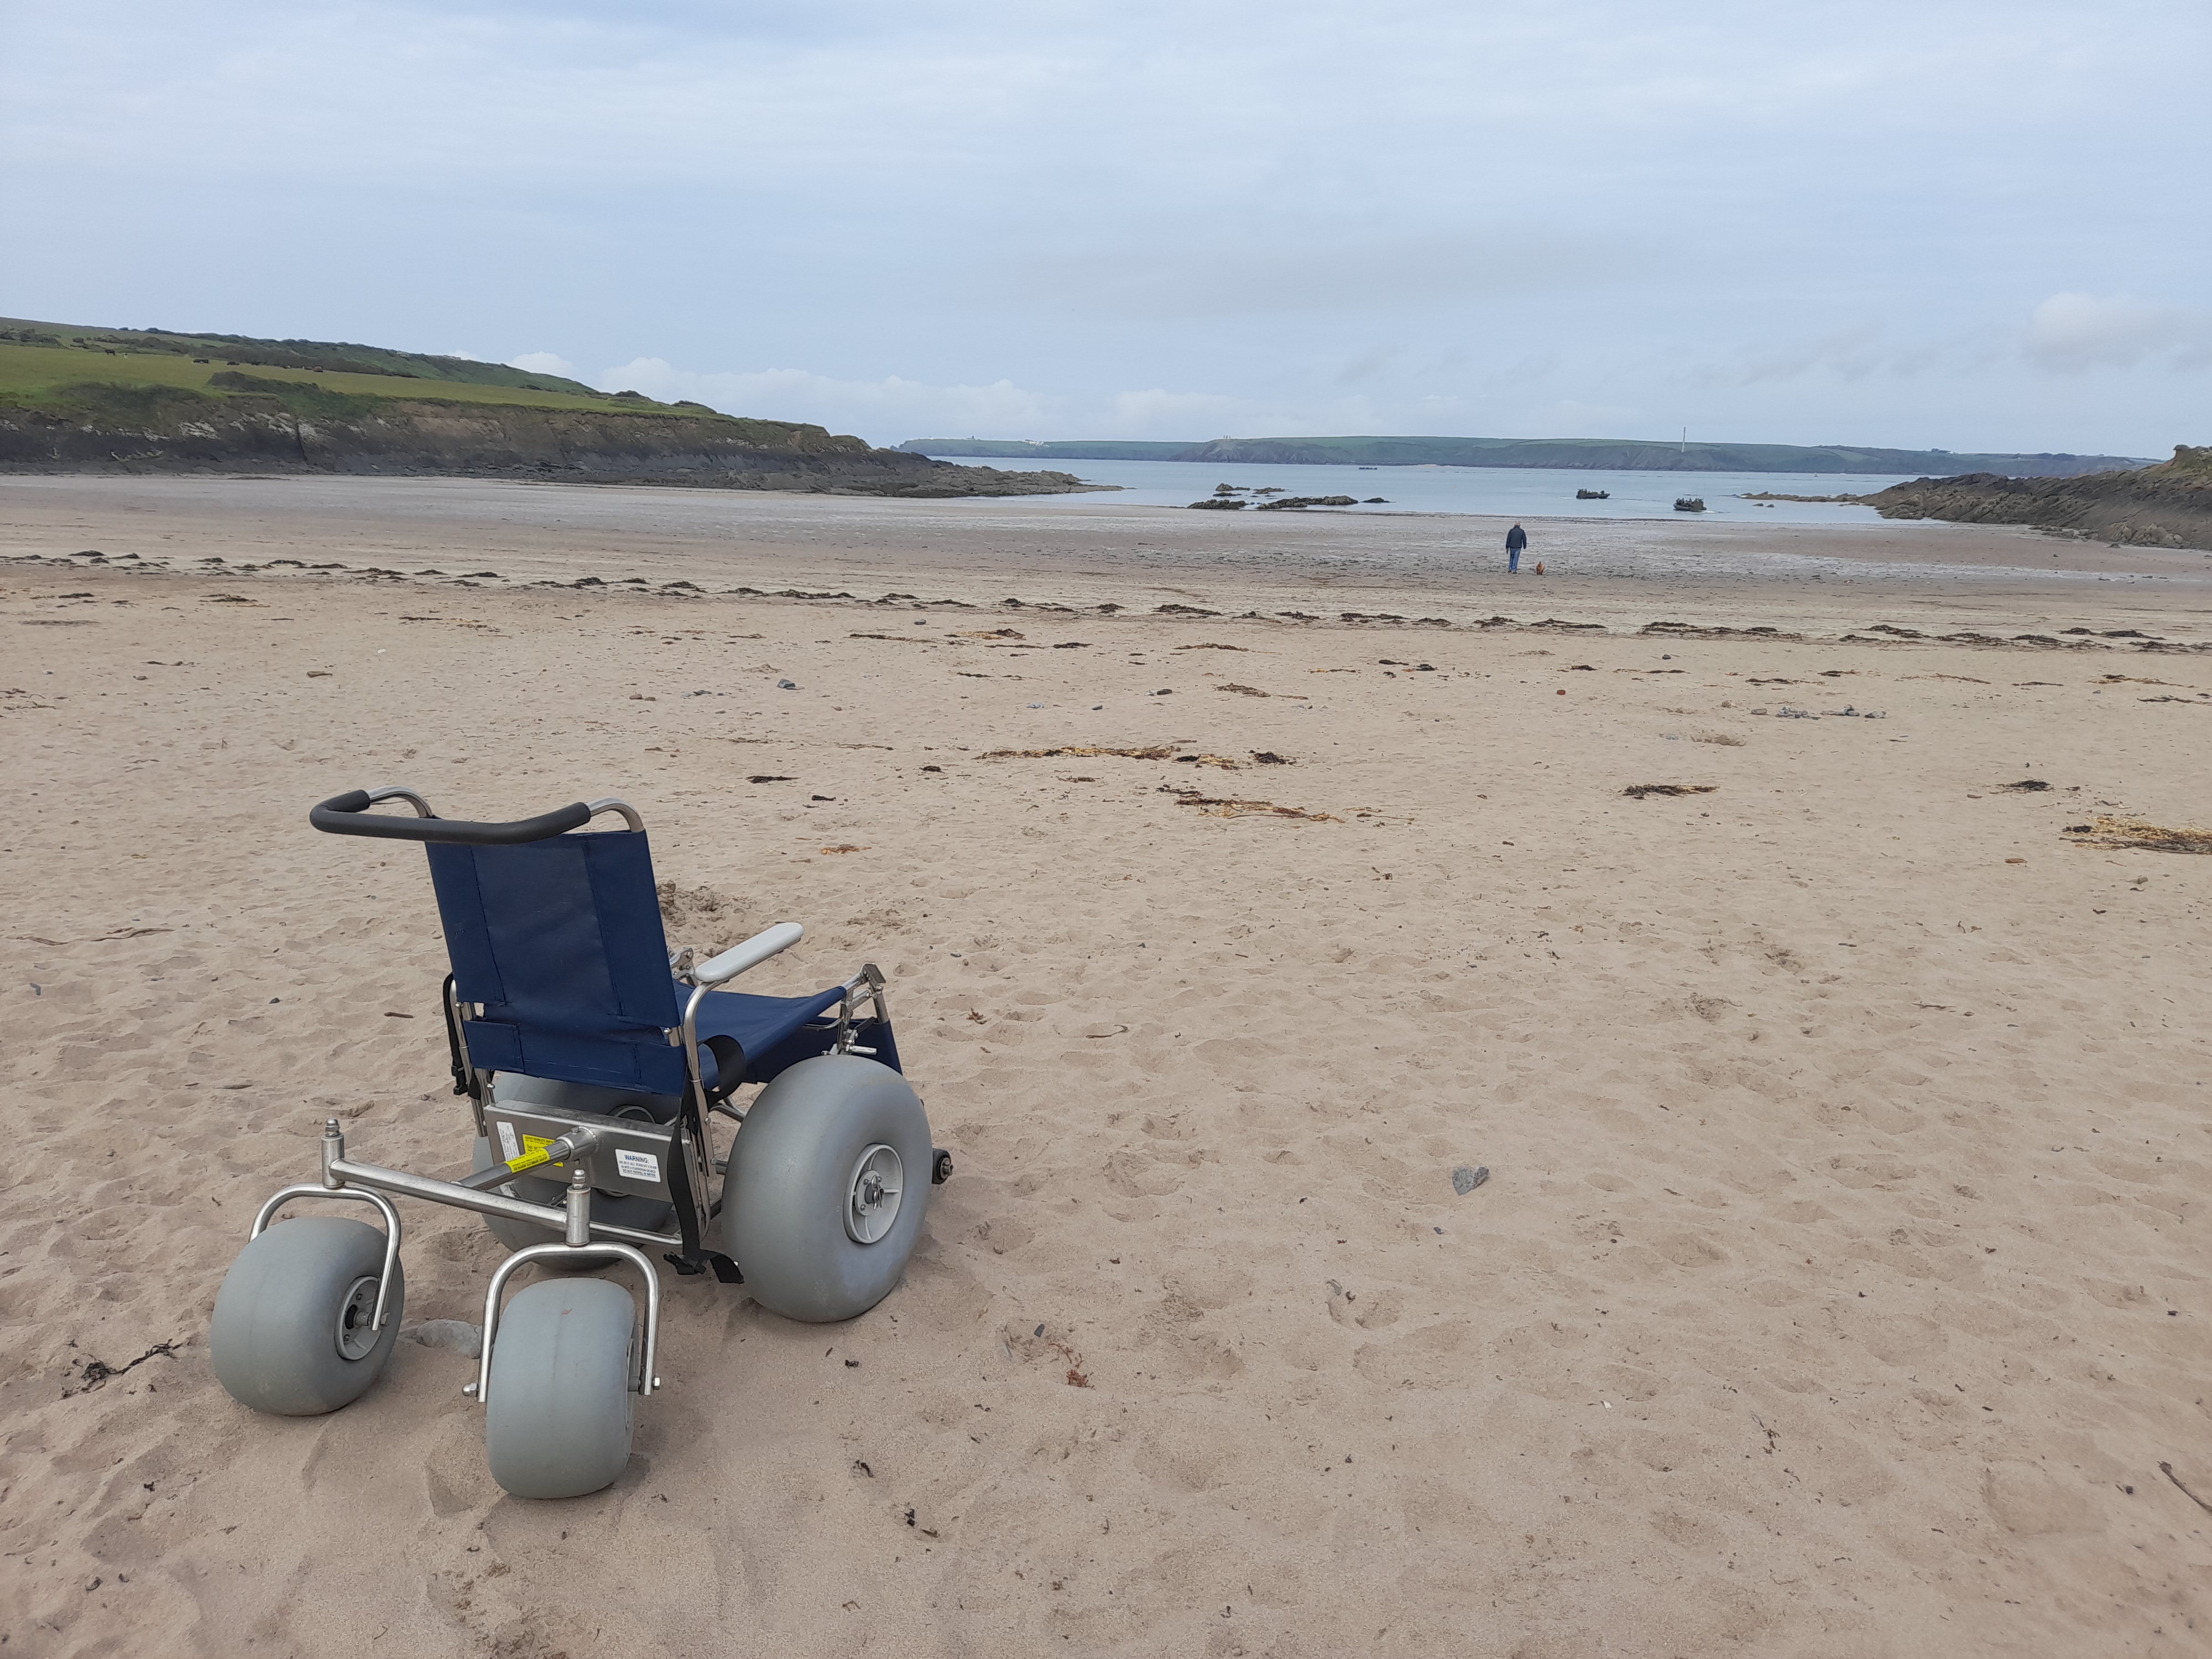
point(1686, 441)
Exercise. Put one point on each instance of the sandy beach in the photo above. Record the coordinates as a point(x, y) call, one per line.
point(1839, 1285)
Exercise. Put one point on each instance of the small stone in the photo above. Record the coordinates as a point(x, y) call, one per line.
point(458, 1334)
point(787, 685)
point(1465, 1179)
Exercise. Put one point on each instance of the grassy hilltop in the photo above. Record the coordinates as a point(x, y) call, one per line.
point(61, 368)
point(77, 398)
point(190, 351)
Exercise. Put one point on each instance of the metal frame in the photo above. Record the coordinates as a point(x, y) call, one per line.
point(314, 1189)
point(478, 1089)
point(866, 986)
point(614, 803)
point(595, 1139)
point(647, 1382)
point(575, 1243)
point(394, 792)
point(338, 1170)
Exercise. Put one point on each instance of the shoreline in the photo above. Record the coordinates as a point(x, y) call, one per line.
point(1620, 575)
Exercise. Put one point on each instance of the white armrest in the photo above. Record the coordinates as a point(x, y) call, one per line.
point(753, 952)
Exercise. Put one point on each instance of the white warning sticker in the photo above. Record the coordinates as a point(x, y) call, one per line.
point(508, 1144)
point(633, 1165)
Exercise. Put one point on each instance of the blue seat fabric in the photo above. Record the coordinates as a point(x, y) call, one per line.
point(561, 941)
point(760, 1026)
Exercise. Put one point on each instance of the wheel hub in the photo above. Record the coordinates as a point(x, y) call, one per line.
point(873, 1194)
point(356, 1336)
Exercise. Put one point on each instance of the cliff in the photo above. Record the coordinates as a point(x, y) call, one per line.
point(121, 429)
point(2168, 505)
point(146, 401)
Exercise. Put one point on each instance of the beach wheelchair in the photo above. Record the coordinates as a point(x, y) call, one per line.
point(594, 1060)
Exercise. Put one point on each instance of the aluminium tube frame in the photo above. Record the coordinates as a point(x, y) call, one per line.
point(646, 1381)
point(631, 815)
point(316, 1189)
point(339, 1170)
point(464, 1197)
point(866, 986)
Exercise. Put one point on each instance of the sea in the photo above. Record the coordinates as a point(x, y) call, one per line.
point(1505, 492)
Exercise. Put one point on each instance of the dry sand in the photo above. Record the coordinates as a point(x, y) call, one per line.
point(1840, 1286)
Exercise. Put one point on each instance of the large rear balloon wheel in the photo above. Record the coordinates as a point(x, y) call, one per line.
point(828, 1186)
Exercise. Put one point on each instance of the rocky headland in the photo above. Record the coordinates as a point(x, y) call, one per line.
point(140, 400)
point(291, 429)
point(2168, 505)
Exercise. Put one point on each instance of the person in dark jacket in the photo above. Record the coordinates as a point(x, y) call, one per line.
point(1516, 539)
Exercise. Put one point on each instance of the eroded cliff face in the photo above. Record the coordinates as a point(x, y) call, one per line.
point(2169, 505)
point(407, 436)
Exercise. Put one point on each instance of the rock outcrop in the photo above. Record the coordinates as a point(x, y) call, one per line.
point(2168, 505)
point(272, 426)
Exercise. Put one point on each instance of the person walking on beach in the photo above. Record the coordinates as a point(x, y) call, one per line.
point(1516, 539)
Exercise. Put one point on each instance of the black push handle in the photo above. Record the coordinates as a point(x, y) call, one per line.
point(348, 815)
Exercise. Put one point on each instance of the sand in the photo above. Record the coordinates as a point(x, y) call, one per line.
point(1839, 1287)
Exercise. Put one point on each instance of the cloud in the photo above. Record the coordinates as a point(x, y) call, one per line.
point(1156, 413)
point(1154, 217)
point(1848, 353)
point(894, 409)
point(2074, 333)
point(1270, 272)
point(544, 362)
point(1567, 418)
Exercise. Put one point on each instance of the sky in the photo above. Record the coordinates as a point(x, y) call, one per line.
point(1966, 225)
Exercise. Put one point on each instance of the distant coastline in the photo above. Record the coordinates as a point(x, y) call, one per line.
point(1595, 454)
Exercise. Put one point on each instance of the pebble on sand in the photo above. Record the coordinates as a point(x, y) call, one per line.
point(458, 1334)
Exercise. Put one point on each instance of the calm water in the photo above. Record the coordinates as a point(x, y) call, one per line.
point(1506, 492)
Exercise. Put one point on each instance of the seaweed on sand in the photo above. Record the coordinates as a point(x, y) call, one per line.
point(1161, 751)
point(1223, 807)
point(2111, 830)
point(1638, 791)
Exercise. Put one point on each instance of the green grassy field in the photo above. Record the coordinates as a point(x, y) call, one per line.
point(37, 374)
point(101, 377)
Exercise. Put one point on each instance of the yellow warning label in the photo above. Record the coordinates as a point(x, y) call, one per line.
point(533, 1152)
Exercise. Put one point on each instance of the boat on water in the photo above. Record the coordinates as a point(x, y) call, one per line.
point(1593, 494)
point(1689, 503)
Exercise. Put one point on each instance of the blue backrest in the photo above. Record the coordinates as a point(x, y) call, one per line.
point(561, 941)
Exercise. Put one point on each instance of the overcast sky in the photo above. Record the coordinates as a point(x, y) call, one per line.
point(1966, 225)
